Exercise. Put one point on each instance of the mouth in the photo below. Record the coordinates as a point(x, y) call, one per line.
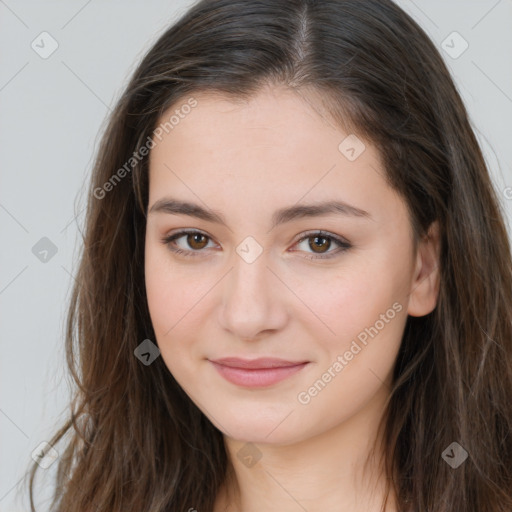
point(256, 373)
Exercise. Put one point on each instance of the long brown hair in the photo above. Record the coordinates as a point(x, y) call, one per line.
point(135, 441)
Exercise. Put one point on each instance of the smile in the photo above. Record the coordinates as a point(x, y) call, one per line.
point(256, 373)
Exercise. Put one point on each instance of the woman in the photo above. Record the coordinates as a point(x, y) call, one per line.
point(295, 286)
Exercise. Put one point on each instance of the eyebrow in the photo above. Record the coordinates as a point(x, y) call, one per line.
point(281, 216)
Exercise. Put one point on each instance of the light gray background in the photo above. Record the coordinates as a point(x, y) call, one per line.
point(51, 113)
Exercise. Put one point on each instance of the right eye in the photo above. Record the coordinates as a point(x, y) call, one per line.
point(195, 239)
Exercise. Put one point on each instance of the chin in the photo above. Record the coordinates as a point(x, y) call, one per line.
point(260, 426)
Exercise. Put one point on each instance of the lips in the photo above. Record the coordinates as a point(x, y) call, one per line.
point(256, 364)
point(256, 373)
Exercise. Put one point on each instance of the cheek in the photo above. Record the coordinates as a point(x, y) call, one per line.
point(176, 307)
point(361, 312)
point(368, 321)
point(160, 293)
point(352, 366)
point(171, 293)
point(166, 296)
point(341, 302)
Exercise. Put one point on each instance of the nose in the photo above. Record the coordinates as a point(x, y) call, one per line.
point(252, 300)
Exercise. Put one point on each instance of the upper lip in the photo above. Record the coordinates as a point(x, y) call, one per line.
point(261, 362)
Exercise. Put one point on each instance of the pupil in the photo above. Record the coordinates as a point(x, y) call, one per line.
point(317, 238)
point(196, 239)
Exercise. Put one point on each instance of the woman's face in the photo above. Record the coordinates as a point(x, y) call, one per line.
point(252, 183)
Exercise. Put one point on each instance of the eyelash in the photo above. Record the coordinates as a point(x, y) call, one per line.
point(344, 246)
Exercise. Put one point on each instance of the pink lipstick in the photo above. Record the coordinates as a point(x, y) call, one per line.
point(256, 373)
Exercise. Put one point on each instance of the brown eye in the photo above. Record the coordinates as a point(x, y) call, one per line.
point(197, 240)
point(320, 244)
point(187, 243)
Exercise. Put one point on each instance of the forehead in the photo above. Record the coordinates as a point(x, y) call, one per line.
point(276, 147)
point(274, 110)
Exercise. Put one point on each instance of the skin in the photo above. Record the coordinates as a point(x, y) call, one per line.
point(246, 160)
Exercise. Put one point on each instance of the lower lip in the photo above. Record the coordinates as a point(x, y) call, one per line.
point(257, 378)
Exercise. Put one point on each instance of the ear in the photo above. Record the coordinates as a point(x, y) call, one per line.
point(425, 281)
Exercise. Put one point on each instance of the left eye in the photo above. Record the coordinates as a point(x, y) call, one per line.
point(319, 241)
